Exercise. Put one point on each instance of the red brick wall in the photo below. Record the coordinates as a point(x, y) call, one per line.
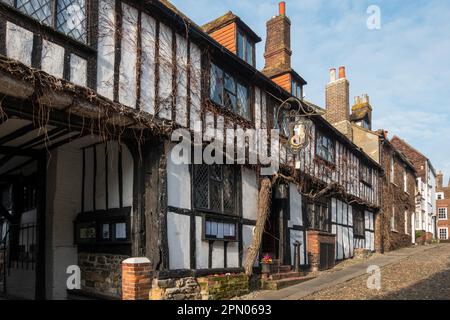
point(417, 159)
point(278, 45)
point(337, 101)
point(136, 279)
point(314, 239)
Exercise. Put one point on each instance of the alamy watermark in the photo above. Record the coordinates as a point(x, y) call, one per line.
point(238, 146)
point(374, 19)
point(374, 280)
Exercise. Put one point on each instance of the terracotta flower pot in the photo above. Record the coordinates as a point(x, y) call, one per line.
point(265, 268)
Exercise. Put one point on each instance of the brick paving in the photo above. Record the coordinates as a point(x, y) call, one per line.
point(422, 276)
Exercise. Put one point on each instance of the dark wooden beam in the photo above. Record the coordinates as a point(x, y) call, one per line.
point(40, 226)
point(14, 151)
point(17, 133)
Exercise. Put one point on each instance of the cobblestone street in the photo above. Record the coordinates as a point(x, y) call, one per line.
point(424, 276)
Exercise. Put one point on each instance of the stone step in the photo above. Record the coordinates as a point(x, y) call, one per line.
point(274, 268)
point(283, 283)
point(291, 274)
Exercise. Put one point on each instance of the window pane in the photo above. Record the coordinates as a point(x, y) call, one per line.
point(216, 196)
point(249, 52)
point(230, 92)
point(71, 18)
point(105, 231)
point(201, 186)
point(216, 83)
point(121, 230)
point(243, 103)
point(240, 45)
point(38, 9)
point(228, 190)
point(220, 230)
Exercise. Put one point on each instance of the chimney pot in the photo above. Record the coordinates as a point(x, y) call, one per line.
point(341, 72)
point(282, 8)
point(332, 74)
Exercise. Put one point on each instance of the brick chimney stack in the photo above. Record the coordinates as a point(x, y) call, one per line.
point(278, 52)
point(439, 180)
point(337, 97)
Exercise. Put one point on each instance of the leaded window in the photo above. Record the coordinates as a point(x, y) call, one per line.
point(365, 174)
point(318, 218)
point(226, 91)
point(358, 222)
point(215, 188)
point(67, 16)
point(325, 147)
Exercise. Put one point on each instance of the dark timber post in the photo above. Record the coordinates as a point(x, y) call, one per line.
point(40, 225)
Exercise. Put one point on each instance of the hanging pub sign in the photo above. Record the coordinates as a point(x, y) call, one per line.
point(299, 134)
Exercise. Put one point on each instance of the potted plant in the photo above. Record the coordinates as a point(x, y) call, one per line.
point(266, 262)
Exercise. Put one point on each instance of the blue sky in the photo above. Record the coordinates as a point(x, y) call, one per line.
point(404, 66)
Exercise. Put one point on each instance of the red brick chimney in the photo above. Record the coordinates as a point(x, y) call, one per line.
point(337, 97)
point(278, 43)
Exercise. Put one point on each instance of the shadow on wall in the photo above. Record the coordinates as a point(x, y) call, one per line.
point(435, 287)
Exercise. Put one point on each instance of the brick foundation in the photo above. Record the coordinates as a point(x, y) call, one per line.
point(315, 238)
point(136, 279)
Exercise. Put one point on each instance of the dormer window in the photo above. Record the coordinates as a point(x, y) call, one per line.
point(245, 48)
point(296, 89)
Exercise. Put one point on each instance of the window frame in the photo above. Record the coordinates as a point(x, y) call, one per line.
point(392, 169)
point(318, 221)
point(237, 191)
point(446, 214)
point(53, 23)
point(393, 221)
point(366, 174)
point(224, 221)
point(446, 233)
point(236, 109)
point(245, 45)
point(332, 144)
point(359, 212)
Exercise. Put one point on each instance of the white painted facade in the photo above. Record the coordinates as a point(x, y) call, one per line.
point(426, 214)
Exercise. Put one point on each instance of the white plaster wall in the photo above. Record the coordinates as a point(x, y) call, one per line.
point(297, 235)
point(232, 255)
point(78, 70)
point(63, 204)
point(148, 36)
point(218, 255)
point(201, 247)
point(128, 174)
point(195, 78)
point(257, 108)
point(178, 229)
point(105, 51)
point(250, 194)
point(181, 80)
point(165, 72)
point(178, 184)
point(89, 180)
point(113, 176)
point(128, 60)
point(100, 179)
point(295, 203)
point(19, 43)
point(52, 58)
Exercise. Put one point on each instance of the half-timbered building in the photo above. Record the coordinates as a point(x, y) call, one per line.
point(91, 92)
